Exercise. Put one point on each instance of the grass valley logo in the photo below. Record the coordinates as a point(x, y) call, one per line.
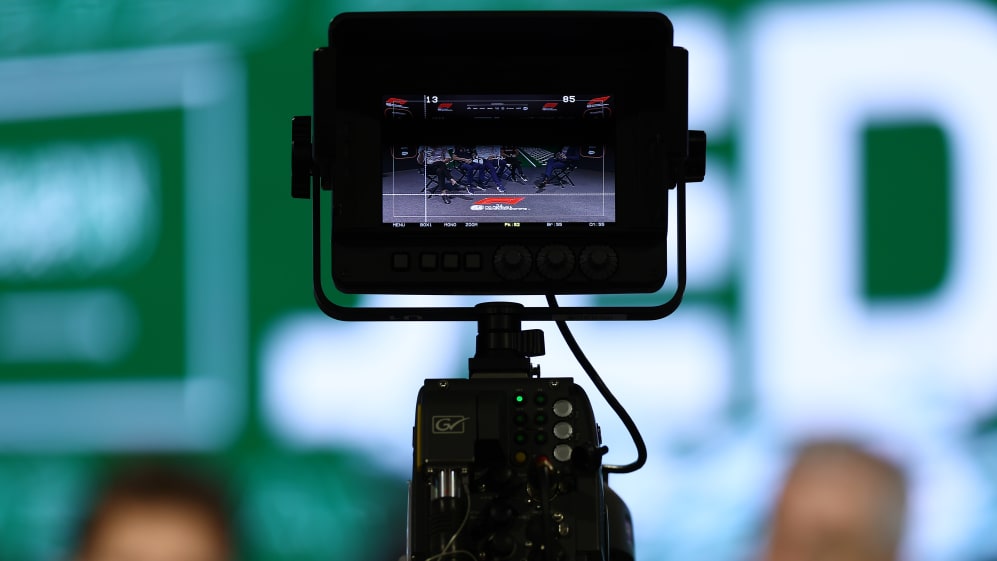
point(449, 424)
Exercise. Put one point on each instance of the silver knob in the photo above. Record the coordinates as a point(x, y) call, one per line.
point(562, 452)
point(563, 430)
point(563, 408)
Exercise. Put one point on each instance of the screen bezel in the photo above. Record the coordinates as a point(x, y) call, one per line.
point(648, 131)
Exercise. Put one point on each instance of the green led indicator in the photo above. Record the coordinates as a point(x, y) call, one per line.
point(520, 398)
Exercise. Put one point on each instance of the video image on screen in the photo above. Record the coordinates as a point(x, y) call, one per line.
point(551, 185)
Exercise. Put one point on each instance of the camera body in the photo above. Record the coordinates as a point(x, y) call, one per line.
point(510, 469)
point(397, 93)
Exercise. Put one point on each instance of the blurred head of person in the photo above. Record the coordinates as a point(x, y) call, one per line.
point(157, 512)
point(838, 502)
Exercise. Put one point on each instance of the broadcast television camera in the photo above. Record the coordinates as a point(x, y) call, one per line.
point(506, 465)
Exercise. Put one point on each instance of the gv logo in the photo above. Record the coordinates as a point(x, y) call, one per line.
point(449, 424)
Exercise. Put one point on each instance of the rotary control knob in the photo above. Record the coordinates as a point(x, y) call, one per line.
point(555, 262)
point(513, 262)
point(598, 262)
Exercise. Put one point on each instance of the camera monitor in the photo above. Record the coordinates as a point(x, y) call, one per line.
point(479, 184)
point(499, 152)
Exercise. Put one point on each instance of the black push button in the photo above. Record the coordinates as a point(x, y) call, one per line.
point(428, 261)
point(400, 262)
point(451, 261)
point(472, 261)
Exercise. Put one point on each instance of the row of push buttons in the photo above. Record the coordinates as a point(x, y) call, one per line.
point(429, 261)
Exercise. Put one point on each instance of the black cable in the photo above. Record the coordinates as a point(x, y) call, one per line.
point(628, 422)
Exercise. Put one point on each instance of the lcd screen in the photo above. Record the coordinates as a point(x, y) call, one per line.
point(552, 183)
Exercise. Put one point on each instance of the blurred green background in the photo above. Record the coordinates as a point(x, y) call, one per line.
point(155, 292)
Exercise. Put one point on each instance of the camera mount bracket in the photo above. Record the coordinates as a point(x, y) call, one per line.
point(502, 348)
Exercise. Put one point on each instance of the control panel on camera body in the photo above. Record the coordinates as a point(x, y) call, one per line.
point(507, 469)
